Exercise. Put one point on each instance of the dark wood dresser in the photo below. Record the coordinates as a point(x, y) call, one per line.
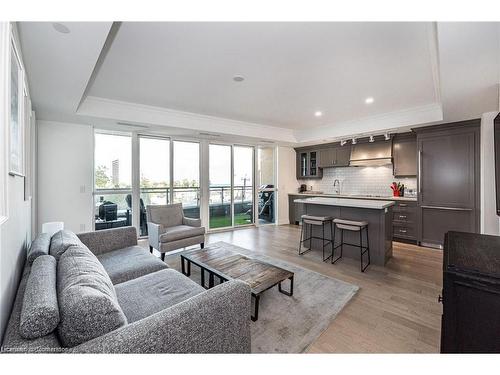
point(471, 294)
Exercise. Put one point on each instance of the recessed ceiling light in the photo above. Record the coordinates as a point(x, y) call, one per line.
point(238, 78)
point(63, 29)
point(318, 113)
point(369, 100)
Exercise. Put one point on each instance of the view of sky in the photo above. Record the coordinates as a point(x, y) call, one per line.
point(155, 164)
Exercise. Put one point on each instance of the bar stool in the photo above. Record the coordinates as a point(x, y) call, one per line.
point(352, 226)
point(318, 221)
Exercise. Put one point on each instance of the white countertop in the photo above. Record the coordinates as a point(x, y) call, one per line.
point(354, 196)
point(347, 202)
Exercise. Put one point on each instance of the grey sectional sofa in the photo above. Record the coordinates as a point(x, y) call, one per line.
point(99, 292)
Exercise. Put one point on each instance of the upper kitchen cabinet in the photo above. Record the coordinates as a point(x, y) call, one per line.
point(308, 164)
point(404, 153)
point(335, 156)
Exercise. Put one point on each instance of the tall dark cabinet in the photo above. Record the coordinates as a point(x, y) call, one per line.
point(448, 180)
point(471, 294)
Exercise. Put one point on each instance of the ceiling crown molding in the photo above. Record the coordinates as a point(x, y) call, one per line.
point(390, 121)
point(140, 113)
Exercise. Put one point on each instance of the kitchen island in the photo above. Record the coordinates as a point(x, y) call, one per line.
point(378, 214)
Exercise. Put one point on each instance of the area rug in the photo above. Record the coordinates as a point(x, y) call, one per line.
point(289, 324)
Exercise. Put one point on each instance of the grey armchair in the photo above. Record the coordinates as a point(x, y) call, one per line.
point(169, 230)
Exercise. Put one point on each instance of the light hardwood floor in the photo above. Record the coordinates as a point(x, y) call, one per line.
point(396, 309)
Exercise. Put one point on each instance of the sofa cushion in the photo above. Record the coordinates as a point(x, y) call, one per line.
point(39, 246)
point(179, 232)
point(87, 300)
point(13, 342)
point(149, 294)
point(61, 241)
point(40, 311)
point(130, 263)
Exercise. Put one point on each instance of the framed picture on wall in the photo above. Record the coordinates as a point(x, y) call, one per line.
point(16, 131)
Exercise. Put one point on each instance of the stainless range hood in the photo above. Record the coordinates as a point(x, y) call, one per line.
point(371, 154)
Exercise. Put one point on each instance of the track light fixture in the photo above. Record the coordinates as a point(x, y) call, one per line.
point(372, 139)
point(387, 136)
point(343, 142)
point(354, 141)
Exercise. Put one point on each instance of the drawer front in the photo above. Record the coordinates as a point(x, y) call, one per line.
point(405, 216)
point(409, 206)
point(404, 231)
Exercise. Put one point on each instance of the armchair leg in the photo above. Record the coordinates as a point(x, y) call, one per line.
point(151, 249)
point(163, 256)
point(202, 245)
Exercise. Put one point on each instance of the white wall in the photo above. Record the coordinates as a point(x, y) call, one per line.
point(490, 223)
point(287, 183)
point(65, 174)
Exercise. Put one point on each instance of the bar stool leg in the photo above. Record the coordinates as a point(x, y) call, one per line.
point(367, 250)
point(367, 246)
point(301, 235)
point(341, 242)
point(310, 236)
point(361, 248)
point(332, 236)
point(323, 240)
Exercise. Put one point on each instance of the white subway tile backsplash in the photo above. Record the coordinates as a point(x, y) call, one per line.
point(360, 180)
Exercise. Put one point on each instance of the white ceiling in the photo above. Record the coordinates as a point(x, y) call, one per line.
point(179, 75)
point(291, 70)
point(60, 65)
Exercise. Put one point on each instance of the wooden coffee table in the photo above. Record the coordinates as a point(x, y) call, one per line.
point(227, 265)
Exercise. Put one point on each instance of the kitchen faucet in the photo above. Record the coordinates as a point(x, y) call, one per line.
point(336, 186)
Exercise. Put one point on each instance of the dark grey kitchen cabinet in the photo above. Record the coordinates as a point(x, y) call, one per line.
point(327, 157)
point(295, 210)
point(343, 156)
point(404, 221)
point(404, 153)
point(448, 180)
point(334, 156)
point(307, 164)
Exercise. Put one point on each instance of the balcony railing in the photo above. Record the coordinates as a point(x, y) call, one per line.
point(219, 204)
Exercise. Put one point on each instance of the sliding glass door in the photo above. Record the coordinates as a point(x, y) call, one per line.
point(133, 171)
point(187, 177)
point(267, 188)
point(220, 187)
point(154, 172)
point(243, 185)
point(231, 187)
point(112, 181)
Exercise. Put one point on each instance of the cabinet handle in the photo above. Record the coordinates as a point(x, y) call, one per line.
point(402, 231)
point(403, 205)
point(440, 299)
point(419, 172)
point(447, 208)
point(402, 217)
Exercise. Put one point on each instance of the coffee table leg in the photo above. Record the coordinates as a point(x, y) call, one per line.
point(211, 280)
point(183, 266)
point(203, 277)
point(290, 293)
point(256, 308)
